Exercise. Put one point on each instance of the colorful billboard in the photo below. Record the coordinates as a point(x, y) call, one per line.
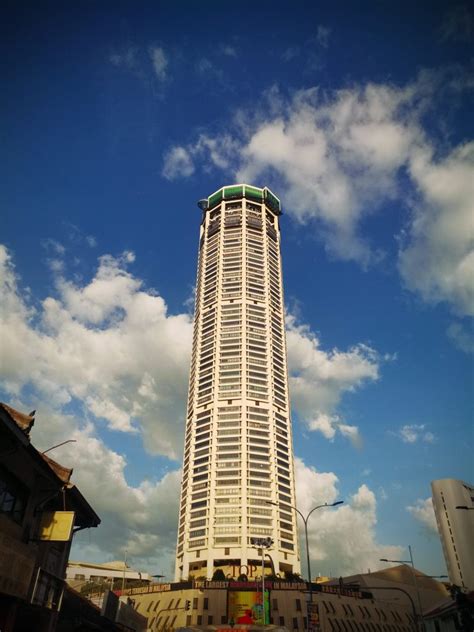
point(246, 607)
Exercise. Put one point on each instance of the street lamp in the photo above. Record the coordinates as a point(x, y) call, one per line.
point(60, 444)
point(262, 543)
point(305, 521)
point(410, 561)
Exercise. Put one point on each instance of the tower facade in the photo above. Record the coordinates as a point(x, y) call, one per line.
point(456, 528)
point(238, 475)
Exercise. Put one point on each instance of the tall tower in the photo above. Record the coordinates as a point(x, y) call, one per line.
point(453, 503)
point(238, 455)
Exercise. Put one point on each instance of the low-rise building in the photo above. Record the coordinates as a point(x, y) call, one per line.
point(228, 603)
point(40, 509)
point(110, 574)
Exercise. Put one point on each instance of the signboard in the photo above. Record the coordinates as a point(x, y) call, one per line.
point(249, 585)
point(56, 526)
point(246, 607)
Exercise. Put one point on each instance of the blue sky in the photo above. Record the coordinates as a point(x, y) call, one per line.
point(359, 116)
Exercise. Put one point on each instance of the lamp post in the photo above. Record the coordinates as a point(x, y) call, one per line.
point(60, 444)
point(410, 561)
point(124, 569)
point(262, 543)
point(305, 521)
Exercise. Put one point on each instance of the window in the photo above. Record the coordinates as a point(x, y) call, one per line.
point(281, 620)
point(295, 623)
point(206, 604)
point(13, 496)
point(298, 605)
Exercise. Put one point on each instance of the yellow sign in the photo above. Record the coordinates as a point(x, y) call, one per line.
point(56, 526)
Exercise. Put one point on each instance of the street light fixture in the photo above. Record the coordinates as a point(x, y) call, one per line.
point(59, 445)
point(410, 561)
point(305, 521)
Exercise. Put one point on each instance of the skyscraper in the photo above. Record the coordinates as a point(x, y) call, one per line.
point(238, 456)
point(453, 503)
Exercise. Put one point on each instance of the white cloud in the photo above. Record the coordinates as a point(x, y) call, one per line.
point(319, 379)
point(411, 433)
point(140, 519)
point(339, 157)
point(159, 61)
point(53, 245)
point(177, 163)
point(108, 344)
point(342, 540)
point(438, 260)
point(423, 511)
point(462, 336)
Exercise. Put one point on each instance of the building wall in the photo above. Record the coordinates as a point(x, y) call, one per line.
point(287, 608)
point(238, 446)
point(456, 528)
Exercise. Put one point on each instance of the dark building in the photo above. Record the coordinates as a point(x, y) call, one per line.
point(40, 509)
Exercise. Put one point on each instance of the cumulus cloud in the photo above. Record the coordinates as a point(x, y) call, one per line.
point(318, 379)
point(423, 511)
point(177, 163)
point(180, 161)
point(411, 433)
point(438, 260)
point(133, 517)
point(109, 344)
point(106, 351)
point(342, 540)
point(338, 157)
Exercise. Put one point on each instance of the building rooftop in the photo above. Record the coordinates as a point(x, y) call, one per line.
point(16, 421)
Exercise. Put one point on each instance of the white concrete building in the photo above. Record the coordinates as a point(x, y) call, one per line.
point(238, 448)
point(113, 573)
point(456, 528)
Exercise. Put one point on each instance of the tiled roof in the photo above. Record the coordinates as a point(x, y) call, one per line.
point(24, 422)
point(64, 473)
